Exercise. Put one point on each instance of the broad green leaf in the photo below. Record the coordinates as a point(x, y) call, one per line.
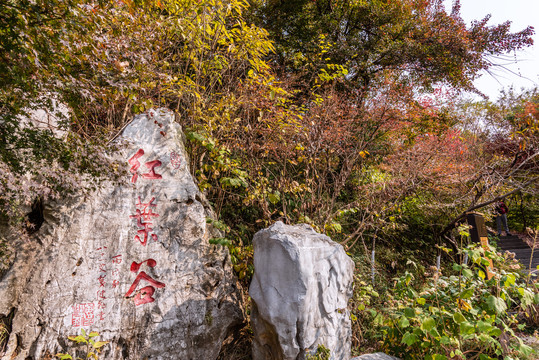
point(428, 324)
point(467, 273)
point(409, 312)
point(525, 349)
point(434, 332)
point(485, 262)
point(458, 317)
point(403, 322)
point(527, 297)
point(496, 304)
point(444, 340)
point(483, 326)
point(409, 339)
point(466, 294)
point(510, 280)
point(466, 328)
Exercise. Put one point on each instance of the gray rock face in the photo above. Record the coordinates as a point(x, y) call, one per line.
point(300, 291)
point(132, 262)
point(375, 356)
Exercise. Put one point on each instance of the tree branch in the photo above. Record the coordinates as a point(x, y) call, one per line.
point(452, 224)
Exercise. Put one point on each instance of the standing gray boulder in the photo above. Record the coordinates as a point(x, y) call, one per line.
point(131, 261)
point(300, 290)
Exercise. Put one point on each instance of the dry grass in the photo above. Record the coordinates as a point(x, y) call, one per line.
point(237, 346)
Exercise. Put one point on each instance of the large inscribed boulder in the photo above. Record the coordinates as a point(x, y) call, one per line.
point(300, 291)
point(132, 262)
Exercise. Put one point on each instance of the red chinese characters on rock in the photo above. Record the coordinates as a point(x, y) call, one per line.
point(175, 160)
point(150, 165)
point(117, 259)
point(144, 295)
point(101, 280)
point(83, 315)
point(133, 161)
point(144, 214)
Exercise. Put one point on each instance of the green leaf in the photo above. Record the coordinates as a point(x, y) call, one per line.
point(404, 322)
point(466, 328)
point(409, 312)
point(458, 317)
point(78, 339)
point(421, 301)
point(439, 357)
point(428, 324)
point(274, 198)
point(527, 297)
point(496, 304)
point(93, 334)
point(409, 339)
point(466, 294)
point(483, 326)
point(510, 280)
point(444, 340)
point(64, 356)
point(525, 349)
point(467, 273)
point(434, 333)
point(457, 267)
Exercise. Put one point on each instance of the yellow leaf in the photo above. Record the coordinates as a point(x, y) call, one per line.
point(464, 305)
point(99, 344)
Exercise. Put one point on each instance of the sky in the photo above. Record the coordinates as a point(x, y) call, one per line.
point(522, 13)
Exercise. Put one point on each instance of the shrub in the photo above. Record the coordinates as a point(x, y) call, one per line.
point(462, 315)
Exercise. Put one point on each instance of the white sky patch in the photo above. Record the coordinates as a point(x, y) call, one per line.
point(522, 73)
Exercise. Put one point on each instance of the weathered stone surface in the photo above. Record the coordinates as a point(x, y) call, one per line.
point(375, 356)
point(300, 289)
point(80, 268)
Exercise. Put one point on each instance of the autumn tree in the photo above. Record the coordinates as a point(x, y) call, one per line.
point(359, 71)
point(508, 140)
point(105, 62)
